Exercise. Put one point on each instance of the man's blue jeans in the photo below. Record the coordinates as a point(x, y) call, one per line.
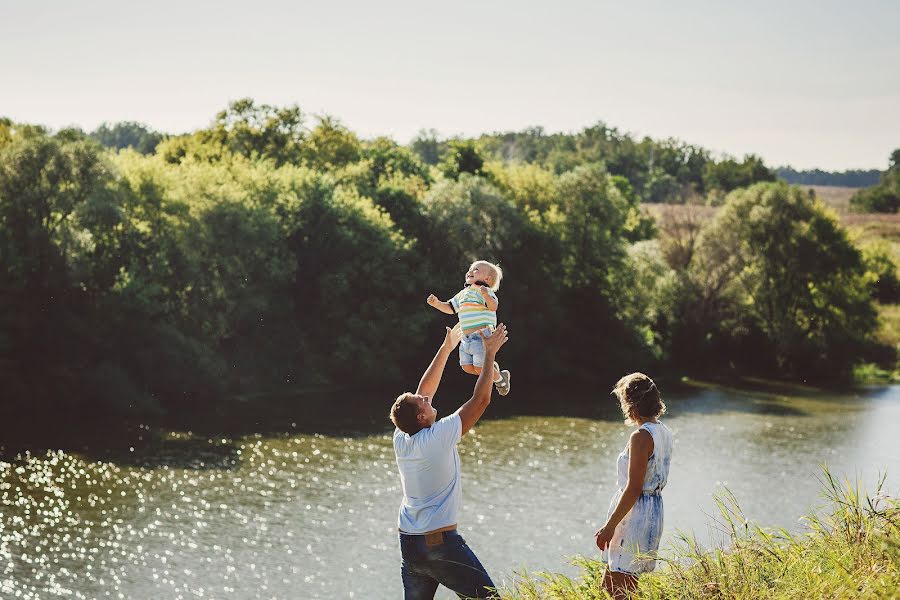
point(442, 558)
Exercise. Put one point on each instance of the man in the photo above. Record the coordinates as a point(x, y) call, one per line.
point(433, 551)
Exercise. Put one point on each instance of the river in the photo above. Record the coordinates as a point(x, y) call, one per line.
point(299, 514)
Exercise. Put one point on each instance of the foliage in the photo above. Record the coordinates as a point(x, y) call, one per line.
point(881, 272)
point(800, 279)
point(884, 197)
point(127, 134)
point(729, 174)
point(256, 254)
point(330, 144)
point(247, 129)
point(428, 146)
point(462, 156)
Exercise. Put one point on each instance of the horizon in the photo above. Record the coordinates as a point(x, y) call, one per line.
point(810, 85)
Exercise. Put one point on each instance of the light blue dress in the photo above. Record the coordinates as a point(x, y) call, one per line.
point(636, 539)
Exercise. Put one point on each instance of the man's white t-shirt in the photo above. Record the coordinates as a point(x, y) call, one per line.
point(429, 474)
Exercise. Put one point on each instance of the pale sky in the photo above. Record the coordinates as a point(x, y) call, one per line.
point(803, 83)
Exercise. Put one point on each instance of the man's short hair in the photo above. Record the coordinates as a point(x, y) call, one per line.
point(405, 413)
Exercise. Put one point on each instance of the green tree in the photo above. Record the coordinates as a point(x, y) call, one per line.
point(246, 129)
point(353, 268)
point(882, 272)
point(463, 156)
point(330, 144)
point(728, 174)
point(127, 134)
point(427, 146)
point(884, 197)
point(803, 283)
point(56, 217)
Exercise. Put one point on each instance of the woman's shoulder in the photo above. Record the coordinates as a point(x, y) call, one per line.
point(656, 429)
point(641, 436)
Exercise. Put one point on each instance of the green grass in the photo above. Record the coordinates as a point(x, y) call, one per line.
point(853, 551)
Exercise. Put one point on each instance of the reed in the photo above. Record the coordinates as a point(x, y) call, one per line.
point(851, 550)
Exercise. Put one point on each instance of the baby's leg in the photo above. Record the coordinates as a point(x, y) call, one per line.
point(477, 351)
point(477, 371)
point(466, 359)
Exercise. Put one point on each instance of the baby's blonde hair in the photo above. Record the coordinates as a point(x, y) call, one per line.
point(498, 272)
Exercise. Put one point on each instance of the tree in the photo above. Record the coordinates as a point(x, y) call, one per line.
point(330, 145)
point(882, 272)
point(884, 197)
point(56, 217)
point(463, 156)
point(894, 161)
point(728, 174)
point(428, 146)
point(127, 134)
point(244, 128)
point(803, 282)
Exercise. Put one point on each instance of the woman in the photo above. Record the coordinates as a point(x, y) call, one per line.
point(634, 523)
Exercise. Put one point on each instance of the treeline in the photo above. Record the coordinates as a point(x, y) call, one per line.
point(856, 178)
point(658, 170)
point(261, 252)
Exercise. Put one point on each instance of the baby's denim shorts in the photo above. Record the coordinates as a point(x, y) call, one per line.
point(471, 348)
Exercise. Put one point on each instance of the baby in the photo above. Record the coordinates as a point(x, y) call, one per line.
point(476, 305)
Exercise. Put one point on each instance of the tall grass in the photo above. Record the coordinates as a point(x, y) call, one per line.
point(851, 551)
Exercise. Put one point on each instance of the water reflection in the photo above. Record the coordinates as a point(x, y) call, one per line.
point(189, 515)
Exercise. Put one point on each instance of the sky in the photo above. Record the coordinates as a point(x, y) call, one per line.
point(810, 84)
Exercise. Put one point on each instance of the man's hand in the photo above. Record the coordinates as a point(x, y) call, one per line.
point(604, 536)
point(433, 300)
point(493, 343)
point(451, 340)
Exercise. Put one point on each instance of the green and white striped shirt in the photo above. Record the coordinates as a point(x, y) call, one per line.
point(472, 309)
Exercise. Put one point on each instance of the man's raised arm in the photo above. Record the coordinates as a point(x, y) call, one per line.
point(431, 379)
point(472, 410)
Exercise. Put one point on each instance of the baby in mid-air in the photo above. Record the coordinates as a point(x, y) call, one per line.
point(476, 305)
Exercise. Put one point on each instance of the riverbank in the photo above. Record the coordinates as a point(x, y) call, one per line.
point(853, 551)
point(290, 411)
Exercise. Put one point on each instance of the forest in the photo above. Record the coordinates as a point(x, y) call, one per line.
point(145, 273)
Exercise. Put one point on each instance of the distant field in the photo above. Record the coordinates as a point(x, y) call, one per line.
point(864, 229)
point(865, 226)
point(834, 196)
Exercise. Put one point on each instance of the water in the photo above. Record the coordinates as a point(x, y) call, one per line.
point(306, 515)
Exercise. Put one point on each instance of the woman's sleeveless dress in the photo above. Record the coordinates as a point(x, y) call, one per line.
point(636, 539)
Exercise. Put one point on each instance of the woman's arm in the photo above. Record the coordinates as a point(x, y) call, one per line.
point(444, 307)
point(640, 447)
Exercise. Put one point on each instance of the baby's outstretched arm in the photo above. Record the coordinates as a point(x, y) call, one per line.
point(444, 307)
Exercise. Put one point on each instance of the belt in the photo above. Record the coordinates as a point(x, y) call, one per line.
point(435, 537)
point(439, 530)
